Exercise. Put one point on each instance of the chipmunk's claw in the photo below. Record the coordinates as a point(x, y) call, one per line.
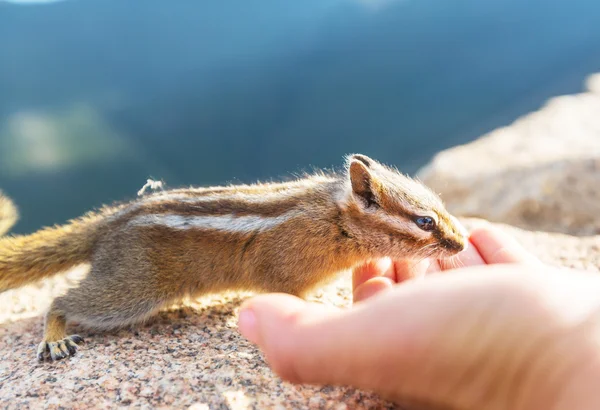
point(76, 339)
point(59, 349)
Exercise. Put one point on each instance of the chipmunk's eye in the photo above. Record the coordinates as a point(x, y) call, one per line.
point(426, 223)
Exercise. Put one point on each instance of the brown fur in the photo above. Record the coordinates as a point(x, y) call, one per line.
point(330, 224)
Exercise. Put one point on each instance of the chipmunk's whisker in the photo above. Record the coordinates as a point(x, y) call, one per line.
point(454, 262)
point(426, 247)
point(459, 262)
point(431, 250)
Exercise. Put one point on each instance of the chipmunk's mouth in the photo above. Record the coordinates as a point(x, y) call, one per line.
point(451, 247)
point(444, 247)
point(441, 250)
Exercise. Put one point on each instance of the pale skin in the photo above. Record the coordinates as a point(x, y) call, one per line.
point(503, 331)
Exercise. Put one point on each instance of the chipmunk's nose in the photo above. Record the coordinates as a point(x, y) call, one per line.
point(454, 245)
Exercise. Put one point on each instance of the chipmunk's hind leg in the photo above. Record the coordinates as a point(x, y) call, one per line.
point(56, 344)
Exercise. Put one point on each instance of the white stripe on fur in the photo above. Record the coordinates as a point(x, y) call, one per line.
point(240, 224)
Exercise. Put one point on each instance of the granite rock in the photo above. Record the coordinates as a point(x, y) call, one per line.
point(541, 173)
point(190, 356)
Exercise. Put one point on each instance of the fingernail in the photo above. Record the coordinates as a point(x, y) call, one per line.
point(248, 326)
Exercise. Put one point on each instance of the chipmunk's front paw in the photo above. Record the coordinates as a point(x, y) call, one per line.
point(58, 349)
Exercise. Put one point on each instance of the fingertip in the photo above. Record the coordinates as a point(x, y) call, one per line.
point(247, 325)
point(485, 234)
point(468, 257)
point(371, 288)
point(496, 246)
point(273, 305)
point(408, 269)
point(266, 318)
point(434, 267)
point(371, 269)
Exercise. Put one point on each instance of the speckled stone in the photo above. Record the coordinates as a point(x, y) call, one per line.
point(191, 357)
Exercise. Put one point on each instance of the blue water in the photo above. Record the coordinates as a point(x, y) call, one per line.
point(98, 95)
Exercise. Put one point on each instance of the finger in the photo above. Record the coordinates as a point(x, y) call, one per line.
point(496, 246)
point(380, 267)
point(434, 267)
point(407, 269)
point(372, 287)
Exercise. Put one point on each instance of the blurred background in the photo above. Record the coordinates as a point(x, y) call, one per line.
point(96, 96)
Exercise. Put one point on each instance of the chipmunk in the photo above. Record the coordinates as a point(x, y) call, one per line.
point(265, 237)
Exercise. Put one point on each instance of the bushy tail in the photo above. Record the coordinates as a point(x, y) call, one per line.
point(8, 214)
point(28, 258)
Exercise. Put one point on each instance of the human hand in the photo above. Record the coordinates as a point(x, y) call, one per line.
point(506, 336)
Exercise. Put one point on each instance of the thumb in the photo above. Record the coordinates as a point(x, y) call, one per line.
point(289, 331)
point(317, 344)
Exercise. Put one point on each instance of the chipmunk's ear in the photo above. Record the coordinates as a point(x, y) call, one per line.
point(362, 158)
point(362, 179)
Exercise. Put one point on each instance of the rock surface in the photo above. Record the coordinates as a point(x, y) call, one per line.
point(192, 357)
point(540, 173)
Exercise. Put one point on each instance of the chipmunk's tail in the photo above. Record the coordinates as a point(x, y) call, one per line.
point(8, 214)
point(28, 258)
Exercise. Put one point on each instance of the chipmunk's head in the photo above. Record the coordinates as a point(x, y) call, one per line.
point(396, 216)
